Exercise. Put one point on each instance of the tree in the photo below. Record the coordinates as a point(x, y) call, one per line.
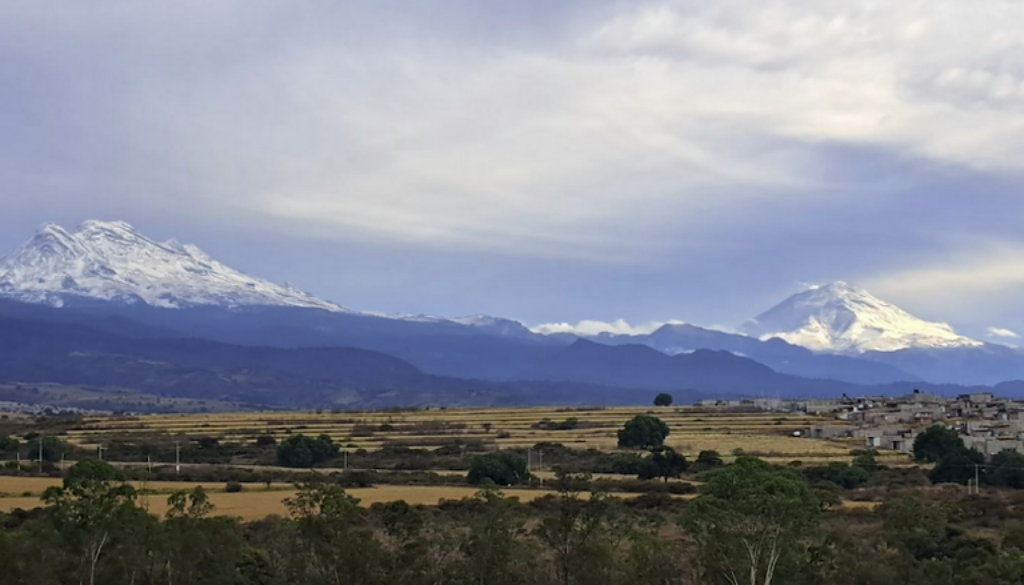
point(935, 443)
point(751, 520)
point(492, 548)
point(9, 444)
point(915, 527)
point(91, 507)
point(958, 466)
point(663, 399)
point(335, 543)
point(302, 451)
point(664, 463)
point(193, 504)
point(1007, 470)
point(502, 467)
point(574, 533)
point(643, 432)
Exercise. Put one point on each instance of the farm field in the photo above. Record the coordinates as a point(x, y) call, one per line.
point(35, 486)
point(766, 434)
point(258, 503)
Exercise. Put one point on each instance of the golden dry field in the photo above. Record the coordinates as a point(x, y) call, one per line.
point(766, 434)
point(256, 502)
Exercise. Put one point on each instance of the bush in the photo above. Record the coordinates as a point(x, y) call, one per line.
point(550, 425)
point(709, 459)
point(643, 432)
point(502, 468)
point(664, 463)
point(265, 441)
point(232, 487)
point(840, 474)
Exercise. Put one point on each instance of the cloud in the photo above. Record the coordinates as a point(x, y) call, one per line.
point(1001, 332)
point(588, 145)
point(590, 328)
point(976, 270)
point(566, 139)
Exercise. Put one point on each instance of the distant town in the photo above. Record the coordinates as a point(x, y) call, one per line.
point(985, 422)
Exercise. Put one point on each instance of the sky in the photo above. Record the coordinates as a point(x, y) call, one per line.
point(618, 162)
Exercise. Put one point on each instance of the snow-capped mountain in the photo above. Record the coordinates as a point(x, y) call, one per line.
point(495, 325)
point(845, 319)
point(111, 261)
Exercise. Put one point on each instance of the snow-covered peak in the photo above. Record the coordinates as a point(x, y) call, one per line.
point(842, 318)
point(495, 325)
point(112, 261)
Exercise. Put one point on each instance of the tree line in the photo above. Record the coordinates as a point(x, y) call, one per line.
point(752, 523)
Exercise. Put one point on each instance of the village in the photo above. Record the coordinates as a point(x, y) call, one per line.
point(985, 422)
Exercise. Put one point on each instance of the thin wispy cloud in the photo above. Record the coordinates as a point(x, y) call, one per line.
point(1002, 332)
point(591, 328)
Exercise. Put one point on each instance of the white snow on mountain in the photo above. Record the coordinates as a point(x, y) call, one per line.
point(111, 261)
point(495, 325)
point(845, 319)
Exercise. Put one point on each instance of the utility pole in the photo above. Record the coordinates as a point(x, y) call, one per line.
point(40, 453)
point(177, 458)
point(345, 468)
point(977, 483)
point(62, 464)
point(149, 462)
point(540, 464)
point(99, 449)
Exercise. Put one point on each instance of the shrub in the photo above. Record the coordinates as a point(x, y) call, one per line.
point(550, 425)
point(663, 399)
point(233, 487)
point(265, 441)
point(663, 463)
point(709, 458)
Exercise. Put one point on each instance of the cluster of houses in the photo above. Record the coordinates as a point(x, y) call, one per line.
point(986, 422)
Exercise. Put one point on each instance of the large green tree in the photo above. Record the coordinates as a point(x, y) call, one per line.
point(750, 522)
point(935, 443)
point(1007, 470)
point(959, 466)
point(643, 431)
point(94, 512)
point(302, 451)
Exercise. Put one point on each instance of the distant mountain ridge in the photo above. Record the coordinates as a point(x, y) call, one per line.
point(107, 275)
point(845, 319)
